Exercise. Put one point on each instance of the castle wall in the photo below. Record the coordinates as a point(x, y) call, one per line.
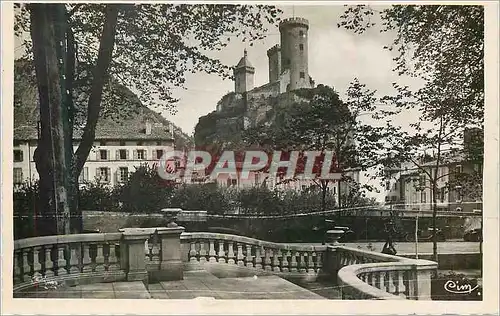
point(274, 56)
point(294, 52)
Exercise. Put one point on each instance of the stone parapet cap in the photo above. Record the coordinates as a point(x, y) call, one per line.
point(171, 230)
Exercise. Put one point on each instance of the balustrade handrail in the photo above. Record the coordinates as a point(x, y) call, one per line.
point(349, 275)
point(382, 257)
point(65, 239)
point(251, 241)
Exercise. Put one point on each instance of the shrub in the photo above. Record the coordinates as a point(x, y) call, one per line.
point(25, 203)
point(96, 196)
point(144, 192)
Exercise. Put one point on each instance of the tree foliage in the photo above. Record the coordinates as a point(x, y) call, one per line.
point(83, 52)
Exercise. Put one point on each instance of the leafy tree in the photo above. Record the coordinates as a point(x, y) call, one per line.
point(323, 122)
point(82, 51)
point(443, 45)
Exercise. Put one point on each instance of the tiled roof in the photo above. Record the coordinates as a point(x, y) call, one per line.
point(123, 126)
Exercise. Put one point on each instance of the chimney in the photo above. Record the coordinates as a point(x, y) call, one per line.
point(148, 127)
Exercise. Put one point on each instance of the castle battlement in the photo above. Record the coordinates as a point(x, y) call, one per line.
point(294, 22)
point(273, 49)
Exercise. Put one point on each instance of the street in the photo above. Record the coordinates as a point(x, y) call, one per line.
point(423, 247)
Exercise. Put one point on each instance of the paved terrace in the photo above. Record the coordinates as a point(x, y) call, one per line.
point(195, 284)
point(117, 265)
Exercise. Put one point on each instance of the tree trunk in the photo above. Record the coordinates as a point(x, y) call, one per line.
point(51, 158)
point(324, 186)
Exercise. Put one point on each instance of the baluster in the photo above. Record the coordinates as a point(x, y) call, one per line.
point(61, 260)
point(267, 260)
point(17, 266)
point(49, 265)
point(74, 259)
point(211, 251)
point(285, 263)
point(302, 262)
point(193, 254)
point(249, 257)
point(382, 281)
point(240, 257)
point(99, 259)
point(258, 257)
point(26, 265)
point(319, 261)
point(391, 288)
point(86, 261)
point(293, 263)
point(36, 264)
point(400, 284)
point(230, 253)
point(276, 261)
point(310, 262)
point(149, 249)
point(222, 252)
point(203, 252)
point(369, 278)
point(113, 264)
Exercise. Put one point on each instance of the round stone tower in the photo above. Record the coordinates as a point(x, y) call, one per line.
point(294, 52)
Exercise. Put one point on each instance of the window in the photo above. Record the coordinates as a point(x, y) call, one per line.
point(177, 164)
point(441, 194)
point(159, 153)
point(123, 154)
point(421, 182)
point(302, 75)
point(18, 155)
point(301, 33)
point(141, 154)
point(103, 154)
point(387, 185)
point(334, 189)
point(123, 174)
point(18, 175)
point(104, 174)
point(459, 169)
point(423, 197)
point(301, 46)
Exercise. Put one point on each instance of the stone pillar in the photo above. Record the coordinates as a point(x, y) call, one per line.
point(171, 266)
point(132, 253)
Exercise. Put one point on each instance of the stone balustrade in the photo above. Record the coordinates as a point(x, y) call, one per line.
point(258, 255)
point(369, 275)
point(67, 258)
point(163, 253)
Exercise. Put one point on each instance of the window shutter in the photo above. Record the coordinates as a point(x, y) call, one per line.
point(145, 152)
point(118, 154)
point(97, 174)
point(108, 155)
point(126, 152)
point(108, 170)
point(97, 155)
point(117, 176)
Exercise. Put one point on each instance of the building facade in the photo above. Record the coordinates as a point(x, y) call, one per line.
point(117, 151)
point(410, 187)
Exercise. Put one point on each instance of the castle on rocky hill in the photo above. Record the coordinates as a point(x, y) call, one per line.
point(288, 71)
